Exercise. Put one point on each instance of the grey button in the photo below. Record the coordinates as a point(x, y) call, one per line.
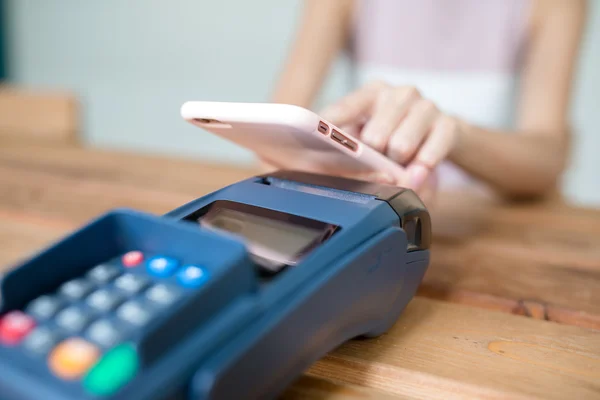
point(104, 332)
point(41, 340)
point(44, 307)
point(134, 313)
point(73, 319)
point(104, 300)
point(132, 283)
point(163, 294)
point(76, 289)
point(103, 273)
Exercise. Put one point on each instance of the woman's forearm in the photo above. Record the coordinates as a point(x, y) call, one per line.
point(322, 33)
point(513, 163)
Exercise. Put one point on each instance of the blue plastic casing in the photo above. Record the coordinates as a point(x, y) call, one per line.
point(239, 335)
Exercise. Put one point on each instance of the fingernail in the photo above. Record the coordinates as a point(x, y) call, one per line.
point(418, 174)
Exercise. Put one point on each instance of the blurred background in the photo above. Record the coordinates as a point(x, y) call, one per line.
point(131, 64)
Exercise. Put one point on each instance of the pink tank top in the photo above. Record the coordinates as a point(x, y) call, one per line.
point(465, 55)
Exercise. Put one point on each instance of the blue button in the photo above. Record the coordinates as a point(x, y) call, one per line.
point(162, 267)
point(192, 276)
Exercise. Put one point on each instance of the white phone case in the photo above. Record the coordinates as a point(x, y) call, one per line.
point(290, 137)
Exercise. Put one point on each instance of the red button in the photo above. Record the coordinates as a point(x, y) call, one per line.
point(132, 258)
point(14, 326)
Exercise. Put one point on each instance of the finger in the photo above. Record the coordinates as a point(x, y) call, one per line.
point(352, 108)
point(434, 150)
point(352, 130)
point(428, 191)
point(391, 107)
point(439, 143)
point(406, 139)
point(417, 175)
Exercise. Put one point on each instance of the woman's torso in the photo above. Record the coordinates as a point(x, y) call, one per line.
point(464, 55)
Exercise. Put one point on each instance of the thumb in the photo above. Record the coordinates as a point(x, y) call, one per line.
point(427, 193)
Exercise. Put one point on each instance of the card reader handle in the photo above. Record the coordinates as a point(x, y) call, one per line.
point(414, 219)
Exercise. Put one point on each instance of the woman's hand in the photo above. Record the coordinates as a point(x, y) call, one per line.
point(399, 122)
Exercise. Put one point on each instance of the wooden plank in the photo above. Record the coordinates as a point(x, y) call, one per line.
point(528, 308)
point(78, 199)
point(562, 275)
point(534, 225)
point(519, 259)
point(446, 351)
point(313, 388)
point(435, 351)
point(40, 115)
point(567, 277)
point(154, 172)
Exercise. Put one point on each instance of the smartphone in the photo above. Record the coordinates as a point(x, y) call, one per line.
point(290, 137)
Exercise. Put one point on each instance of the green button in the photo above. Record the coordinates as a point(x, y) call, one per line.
point(114, 370)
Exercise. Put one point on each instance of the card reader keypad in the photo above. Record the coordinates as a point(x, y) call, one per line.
point(104, 332)
point(104, 300)
point(132, 283)
point(163, 294)
point(73, 319)
point(103, 273)
point(41, 340)
point(44, 307)
point(93, 317)
point(76, 289)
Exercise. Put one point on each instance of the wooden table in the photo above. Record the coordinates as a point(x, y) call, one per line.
point(510, 307)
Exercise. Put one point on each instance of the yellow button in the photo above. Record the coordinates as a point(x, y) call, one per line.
point(72, 358)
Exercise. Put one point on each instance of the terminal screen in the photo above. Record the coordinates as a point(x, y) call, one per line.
point(275, 239)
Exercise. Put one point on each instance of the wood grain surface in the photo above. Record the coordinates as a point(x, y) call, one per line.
point(509, 307)
point(443, 351)
point(541, 260)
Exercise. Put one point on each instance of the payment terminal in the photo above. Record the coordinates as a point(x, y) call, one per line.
point(231, 296)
